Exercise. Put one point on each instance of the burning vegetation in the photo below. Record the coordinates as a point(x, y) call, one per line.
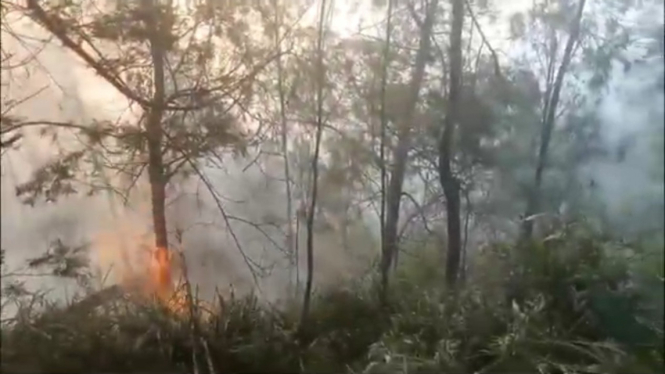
point(483, 185)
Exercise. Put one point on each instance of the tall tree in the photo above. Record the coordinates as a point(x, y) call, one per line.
point(284, 137)
point(187, 99)
point(384, 121)
point(550, 115)
point(324, 14)
point(401, 150)
point(449, 182)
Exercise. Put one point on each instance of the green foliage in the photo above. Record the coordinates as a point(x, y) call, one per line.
point(570, 304)
point(575, 302)
point(203, 91)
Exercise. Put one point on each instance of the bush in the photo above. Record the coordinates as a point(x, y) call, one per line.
point(573, 303)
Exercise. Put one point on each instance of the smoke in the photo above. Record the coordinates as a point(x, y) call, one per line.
point(215, 259)
point(218, 253)
point(632, 191)
point(630, 180)
point(26, 232)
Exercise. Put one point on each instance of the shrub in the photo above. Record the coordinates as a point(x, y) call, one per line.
point(576, 302)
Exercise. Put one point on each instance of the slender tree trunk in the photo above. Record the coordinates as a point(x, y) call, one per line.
point(315, 168)
point(155, 138)
point(290, 236)
point(401, 152)
point(156, 173)
point(384, 126)
point(549, 117)
point(301, 214)
point(449, 182)
point(464, 254)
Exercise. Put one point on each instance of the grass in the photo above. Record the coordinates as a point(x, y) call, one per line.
point(571, 305)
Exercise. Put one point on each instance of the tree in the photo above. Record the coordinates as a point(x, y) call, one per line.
point(384, 129)
point(549, 114)
point(281, 90)
point(154, 54)
point(448, 181)
point(324, 15)
point(401, 150)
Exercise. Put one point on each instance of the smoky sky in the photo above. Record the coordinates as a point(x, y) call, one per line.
point(74, 94)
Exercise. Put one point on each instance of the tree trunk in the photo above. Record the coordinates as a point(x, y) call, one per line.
point(290, 235)
point(315, 169)
point(384, 127)
point(394, 193)
point(155, 161)
point(449, 182)
point(548, 122)
point(465, 244)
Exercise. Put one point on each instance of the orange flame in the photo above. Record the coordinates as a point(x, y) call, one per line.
point(160, 273)
point(162, 281)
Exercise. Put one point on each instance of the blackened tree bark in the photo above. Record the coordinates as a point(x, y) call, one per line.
point(449, 182)
point(154, 127)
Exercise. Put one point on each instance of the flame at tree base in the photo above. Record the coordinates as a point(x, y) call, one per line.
point(160, 273)
point(161, 281)
point(142, 271)
point(157, 283)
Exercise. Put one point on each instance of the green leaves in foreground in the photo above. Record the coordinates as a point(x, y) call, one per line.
point(576, 303)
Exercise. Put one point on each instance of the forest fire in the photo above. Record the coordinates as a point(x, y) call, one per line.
point(143, 270)
point(161, 281)
point(160, 273)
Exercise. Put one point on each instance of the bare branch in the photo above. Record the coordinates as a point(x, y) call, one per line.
point(495, 58)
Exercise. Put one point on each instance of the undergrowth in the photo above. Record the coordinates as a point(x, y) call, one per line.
point(573, 303)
